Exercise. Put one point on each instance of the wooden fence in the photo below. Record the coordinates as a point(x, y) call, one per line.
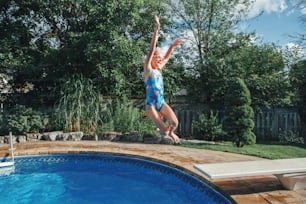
point(269, 123)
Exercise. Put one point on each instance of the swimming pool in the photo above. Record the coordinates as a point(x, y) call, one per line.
point(101, 178)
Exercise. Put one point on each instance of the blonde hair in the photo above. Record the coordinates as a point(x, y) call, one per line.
point(156, 52)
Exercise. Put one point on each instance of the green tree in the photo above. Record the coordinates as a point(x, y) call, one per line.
point(104, 41)
point(208, 27)
point(17, 50)
point(301, 37)
point(265, 74)
point(302, 104)
point(239, 115)
point(297, 76)
point(45, 43)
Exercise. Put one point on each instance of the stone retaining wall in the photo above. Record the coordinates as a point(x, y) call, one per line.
point(77, 136)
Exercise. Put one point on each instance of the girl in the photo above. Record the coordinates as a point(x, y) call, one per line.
point(156, 106)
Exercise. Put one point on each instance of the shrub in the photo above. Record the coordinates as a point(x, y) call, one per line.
point(290, 137)
point(122, 116)
point(22, 119)
point(207, 127)
point(239, 115)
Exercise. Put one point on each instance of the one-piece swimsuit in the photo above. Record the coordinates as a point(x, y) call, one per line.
point(155, 89)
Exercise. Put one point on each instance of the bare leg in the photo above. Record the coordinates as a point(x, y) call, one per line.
point(168, 113)
point(157, 119)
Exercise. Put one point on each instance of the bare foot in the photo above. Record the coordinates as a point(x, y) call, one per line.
point(175, 138)
point(167, 140)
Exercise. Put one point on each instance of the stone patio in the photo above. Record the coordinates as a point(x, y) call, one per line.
point(246, 190)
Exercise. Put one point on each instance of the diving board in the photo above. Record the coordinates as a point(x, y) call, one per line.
point(290, 172)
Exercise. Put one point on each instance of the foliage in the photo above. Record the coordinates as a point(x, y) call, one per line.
point(263, 70)
point(122, 116)
point(239, 115)
point(210, 37)
point(79, 106)
point(291, 137)
point(297, 77)
point(302, 105)
point(208, 127)
point(21, 120)
point(301, 39)
point(174, 79)
point(265, 75)
point(214, 52)
point(44, 42)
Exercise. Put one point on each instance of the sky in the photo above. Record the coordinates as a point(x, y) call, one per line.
point(278, 20)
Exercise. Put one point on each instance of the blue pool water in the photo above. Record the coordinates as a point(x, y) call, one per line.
point(101, 178)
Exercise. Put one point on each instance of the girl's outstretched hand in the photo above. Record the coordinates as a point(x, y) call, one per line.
point(177, 41)
point(156, 19)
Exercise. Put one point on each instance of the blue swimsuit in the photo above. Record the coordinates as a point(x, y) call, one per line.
point(155, 89)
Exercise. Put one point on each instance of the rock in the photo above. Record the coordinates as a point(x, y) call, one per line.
point(91, 136)
point(151, 139)
point(21, 139)
point(131, 137)
point(33, 136)
point(110, 136)
point(73, 136)
point(51, 136)
point(56, 135)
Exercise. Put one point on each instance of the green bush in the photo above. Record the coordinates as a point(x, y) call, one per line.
point(80, 105)
point(207, 127)
point(290, 137)
point(122, 116)
point(22, 119)
point(239, 115)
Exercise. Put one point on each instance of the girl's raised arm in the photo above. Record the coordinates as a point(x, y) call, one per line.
point(147, 63)
point(176, 42)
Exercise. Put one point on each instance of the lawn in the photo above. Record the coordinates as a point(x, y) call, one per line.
point(269, 151)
